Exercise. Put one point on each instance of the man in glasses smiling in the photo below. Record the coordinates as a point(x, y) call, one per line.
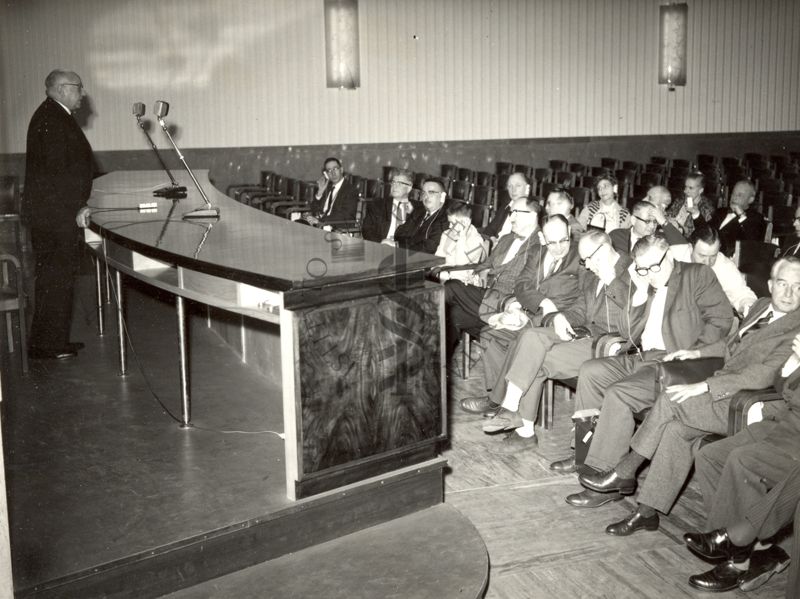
point(336, 199)
point(384, 215)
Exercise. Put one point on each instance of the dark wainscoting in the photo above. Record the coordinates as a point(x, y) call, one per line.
point(242, 165)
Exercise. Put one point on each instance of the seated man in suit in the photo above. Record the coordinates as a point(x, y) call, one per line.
point(646, 219)
point(385, 215)
point(518, 187)
point(739, 221)
point(682, 414)
point(791, 244)
point(465, 303)
point(705, 250)
point(336, 200)
point(693, 209)
point(675, 306)
point(563, 342)
point(423, 231)
point(560, 202)
point(751, 484)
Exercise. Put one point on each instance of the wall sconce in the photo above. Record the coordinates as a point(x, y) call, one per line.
point(341, 44)
point(672, 45)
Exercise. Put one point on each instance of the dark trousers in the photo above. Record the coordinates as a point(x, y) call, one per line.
point(463, 303)
point(56, 265)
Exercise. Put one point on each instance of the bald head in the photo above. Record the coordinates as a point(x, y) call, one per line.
point(659, 196)
point(744, 193)
point(65, 87)
point(518, 186)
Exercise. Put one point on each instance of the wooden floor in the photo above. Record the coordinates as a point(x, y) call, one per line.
point(539, 546)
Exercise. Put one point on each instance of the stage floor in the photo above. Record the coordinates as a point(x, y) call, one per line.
point(96, 470)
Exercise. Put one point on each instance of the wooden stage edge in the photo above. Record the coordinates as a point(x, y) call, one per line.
point(307, 522)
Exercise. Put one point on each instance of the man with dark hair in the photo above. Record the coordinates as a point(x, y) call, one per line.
point(385, 215)
point(559, 201)
point(518, 187)
point(336, 200)
point(693, 209)
point(675, 306)
point(646, 218)
point(739, 222)
point(59, 168)
point(423, 231)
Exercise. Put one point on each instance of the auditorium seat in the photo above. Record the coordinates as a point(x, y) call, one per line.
point(558, 165)
point(540, 175)
point(706, 161)
point(598, 171)
point(630, 165)
point(609, 163)
point(504, 168)
point(486, 179)
point(465, 174)
point(11, 209)
point(582, 196)
point(649, 179)
point(579, 169)
point(524, 169)
point(681, 163)
point(662, 160)
point(564, 178)
point(461, 190)
point(449, 170)
point(13, 299)
point(679, 171)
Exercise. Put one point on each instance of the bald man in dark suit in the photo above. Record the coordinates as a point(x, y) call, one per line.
point(59, 168)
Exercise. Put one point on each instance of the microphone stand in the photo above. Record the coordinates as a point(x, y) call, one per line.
point(175, 191)
point(209, 211)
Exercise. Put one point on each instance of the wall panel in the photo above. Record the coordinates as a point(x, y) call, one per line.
point(251, 72)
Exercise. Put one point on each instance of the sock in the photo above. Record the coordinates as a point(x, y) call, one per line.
point(761, 546)
point(526, 430)
point(512, 398)
point(646, 510)
point(744, 566)
point(628, 465)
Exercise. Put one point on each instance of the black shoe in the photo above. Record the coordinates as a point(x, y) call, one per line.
point(723, 577)
point(565, 466)
point(632, 523)
point(716, 545)
point(479, 405)
point(75, 345)
point(604, 482)
point(763, 564)
point(587, 498)
point(64, 353)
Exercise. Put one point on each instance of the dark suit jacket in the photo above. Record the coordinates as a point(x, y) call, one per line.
point(621, 238)
point(697, 311)
point(377, 220)
point(752, 229)
point(422, 234)
point(59, 167)
point(500, 216)
point(501, 278)
point(533, 286)
point(345, 205)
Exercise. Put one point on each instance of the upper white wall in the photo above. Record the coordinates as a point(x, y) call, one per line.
point(251, 72)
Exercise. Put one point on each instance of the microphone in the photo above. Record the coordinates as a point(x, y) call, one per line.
point(161, 109)
point(175, 191)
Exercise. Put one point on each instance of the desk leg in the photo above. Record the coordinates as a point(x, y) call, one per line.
point(186, 400)
point(98, 275)
point(123, 340)
point(108, 282)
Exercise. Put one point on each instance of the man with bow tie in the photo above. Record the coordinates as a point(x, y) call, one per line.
point(422, 232)
point(682, 414)
point(738, 222)
point(336, 200)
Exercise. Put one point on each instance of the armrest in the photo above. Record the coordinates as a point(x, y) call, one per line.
point(683, 372)
point(741, 403)
point(288, 206)
point(604, 345)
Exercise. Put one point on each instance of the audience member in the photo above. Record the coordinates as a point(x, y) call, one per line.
point(461, 245)
point(693, 208)
point(675, 306)
point(565, 340)
point(336, 200)
point(468, 306)
point(791, 244)
point(559, 201)
point(605, 213)
point(684, 413)
point(423, 230)
point(739, 221)
point(384, 215)
point(518, 187)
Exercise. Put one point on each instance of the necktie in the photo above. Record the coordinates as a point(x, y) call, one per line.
point(328, 198)
point(759, 324)
point(551, 269)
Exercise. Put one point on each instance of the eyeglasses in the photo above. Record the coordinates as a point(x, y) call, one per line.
point(399, 182)
point(78, 85)
point(431, 193)
point(654, 268)
point(583, 261)
point(521, 211)
point(333, 169)
point(558, 242)
point(650, 221)
point(795, 219)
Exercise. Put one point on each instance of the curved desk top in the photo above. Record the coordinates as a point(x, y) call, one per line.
point(245, 244)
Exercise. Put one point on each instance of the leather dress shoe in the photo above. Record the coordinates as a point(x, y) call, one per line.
point(36, 353)
point(632, 523)
point(716, 545)
point(603, 482)
point(565, 466)
point(479, 405)
point(722, 577)
point(513, 443)
point(504, 420)
point(587, 498)
point(763, 564)
point(75, 345)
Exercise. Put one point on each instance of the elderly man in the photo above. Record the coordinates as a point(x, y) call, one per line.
point(423, 231)
point(59, 168)
point(336, 200)
point(518, 187)
point(560, 202)
point(682, 414)
point(676, 306)
point(705, 250)
point(385, 215)
point(693, 209)
point(563, 342)
point(739, 221)
point(468, 306)
point(645, 219)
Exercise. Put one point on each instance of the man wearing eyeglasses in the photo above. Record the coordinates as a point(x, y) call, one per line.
point(646, 219)
point(59, 167)
point(385, 215)
point(739, 222)
point(423, 231)
point(336, 200)
point(675, 306)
